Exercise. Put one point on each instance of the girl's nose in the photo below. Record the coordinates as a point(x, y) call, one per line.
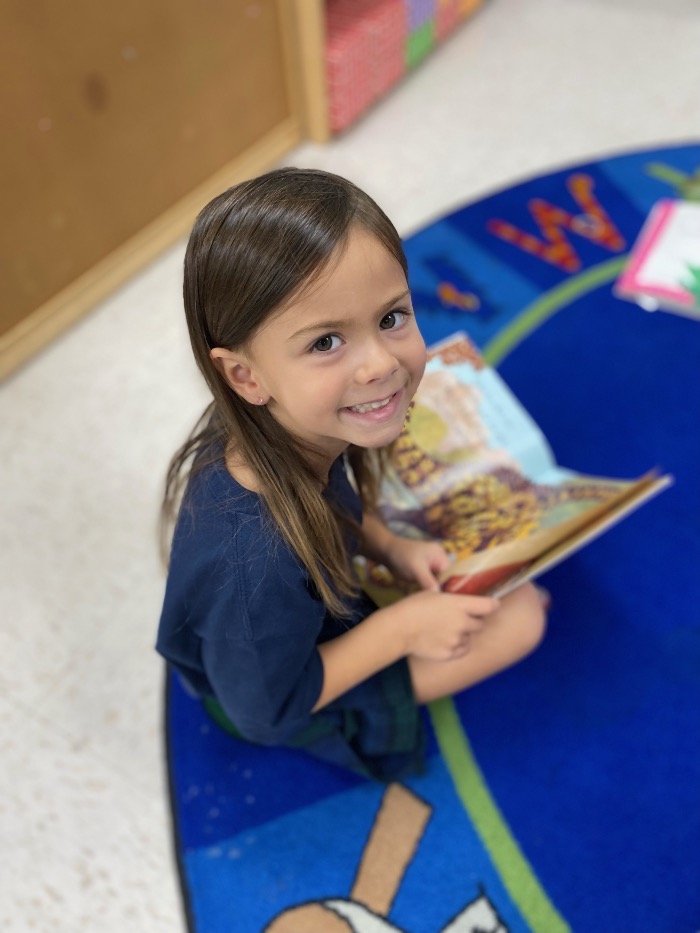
point(376, 363)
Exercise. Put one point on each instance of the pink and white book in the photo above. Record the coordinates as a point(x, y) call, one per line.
point(663, 271)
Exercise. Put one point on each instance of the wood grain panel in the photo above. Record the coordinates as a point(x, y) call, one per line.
point(112, 114)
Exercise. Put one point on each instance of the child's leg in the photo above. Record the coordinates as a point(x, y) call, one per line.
point(508, 635)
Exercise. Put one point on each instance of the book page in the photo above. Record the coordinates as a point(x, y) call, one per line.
point(472, 470)
point(663, 270)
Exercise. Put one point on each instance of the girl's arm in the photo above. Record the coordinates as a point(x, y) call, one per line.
point(430, 625)
point(409, 559)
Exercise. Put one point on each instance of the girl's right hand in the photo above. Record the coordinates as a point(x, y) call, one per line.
point(438, 626)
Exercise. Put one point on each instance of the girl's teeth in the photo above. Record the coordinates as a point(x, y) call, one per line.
point(370, 406)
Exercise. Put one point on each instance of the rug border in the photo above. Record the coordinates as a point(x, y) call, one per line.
point(175, 833)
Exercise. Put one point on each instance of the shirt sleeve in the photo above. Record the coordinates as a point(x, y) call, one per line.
point(259, 645)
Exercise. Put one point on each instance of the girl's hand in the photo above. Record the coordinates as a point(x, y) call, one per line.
point(439, 626)
point(417, 561)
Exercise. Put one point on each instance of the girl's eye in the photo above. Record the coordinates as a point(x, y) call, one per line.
point(327, 342)
point(393, 319)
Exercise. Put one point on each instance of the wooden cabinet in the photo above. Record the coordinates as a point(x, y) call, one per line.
point(120, 120)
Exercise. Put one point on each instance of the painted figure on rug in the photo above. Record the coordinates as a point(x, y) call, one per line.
point(300, 318)
point(392, 844)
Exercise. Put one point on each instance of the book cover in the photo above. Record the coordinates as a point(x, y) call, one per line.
point(472, 469)
point(663, 271)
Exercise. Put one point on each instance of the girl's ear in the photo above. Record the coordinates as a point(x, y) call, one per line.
point(236, 370)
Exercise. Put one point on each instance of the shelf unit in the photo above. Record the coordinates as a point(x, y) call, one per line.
point(341, 42)
point(121, 122)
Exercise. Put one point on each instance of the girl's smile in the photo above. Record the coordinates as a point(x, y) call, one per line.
point(377, 411)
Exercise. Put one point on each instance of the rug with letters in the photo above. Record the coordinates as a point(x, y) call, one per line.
point(562, 796)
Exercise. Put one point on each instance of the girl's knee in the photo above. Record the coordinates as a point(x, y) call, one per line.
point(537, 627)
point(530, 617)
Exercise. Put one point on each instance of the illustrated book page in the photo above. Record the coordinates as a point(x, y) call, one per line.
point(663, 270)
point(473, 470)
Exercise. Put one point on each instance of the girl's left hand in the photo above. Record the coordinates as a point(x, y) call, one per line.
point(417, 561)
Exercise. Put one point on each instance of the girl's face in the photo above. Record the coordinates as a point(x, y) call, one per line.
point(340, 364)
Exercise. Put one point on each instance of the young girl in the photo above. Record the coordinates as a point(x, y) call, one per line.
point(300, 319)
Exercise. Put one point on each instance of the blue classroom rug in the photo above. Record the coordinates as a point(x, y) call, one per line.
point(564, 794)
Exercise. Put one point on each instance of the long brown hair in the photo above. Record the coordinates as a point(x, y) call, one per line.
point(251, 249)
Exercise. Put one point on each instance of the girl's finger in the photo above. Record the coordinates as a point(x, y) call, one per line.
point(484, 607)
point(440, 561)
point(426, 580)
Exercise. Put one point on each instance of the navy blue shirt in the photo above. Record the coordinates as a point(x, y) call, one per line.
point(242, 622)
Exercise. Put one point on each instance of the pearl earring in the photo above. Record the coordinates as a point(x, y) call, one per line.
point(260, 401)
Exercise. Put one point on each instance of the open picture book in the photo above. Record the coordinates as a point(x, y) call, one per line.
point(663, 270)
point(472, 470)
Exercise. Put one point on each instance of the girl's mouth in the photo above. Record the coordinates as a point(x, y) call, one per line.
point(380, 410)
point(370, 406)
